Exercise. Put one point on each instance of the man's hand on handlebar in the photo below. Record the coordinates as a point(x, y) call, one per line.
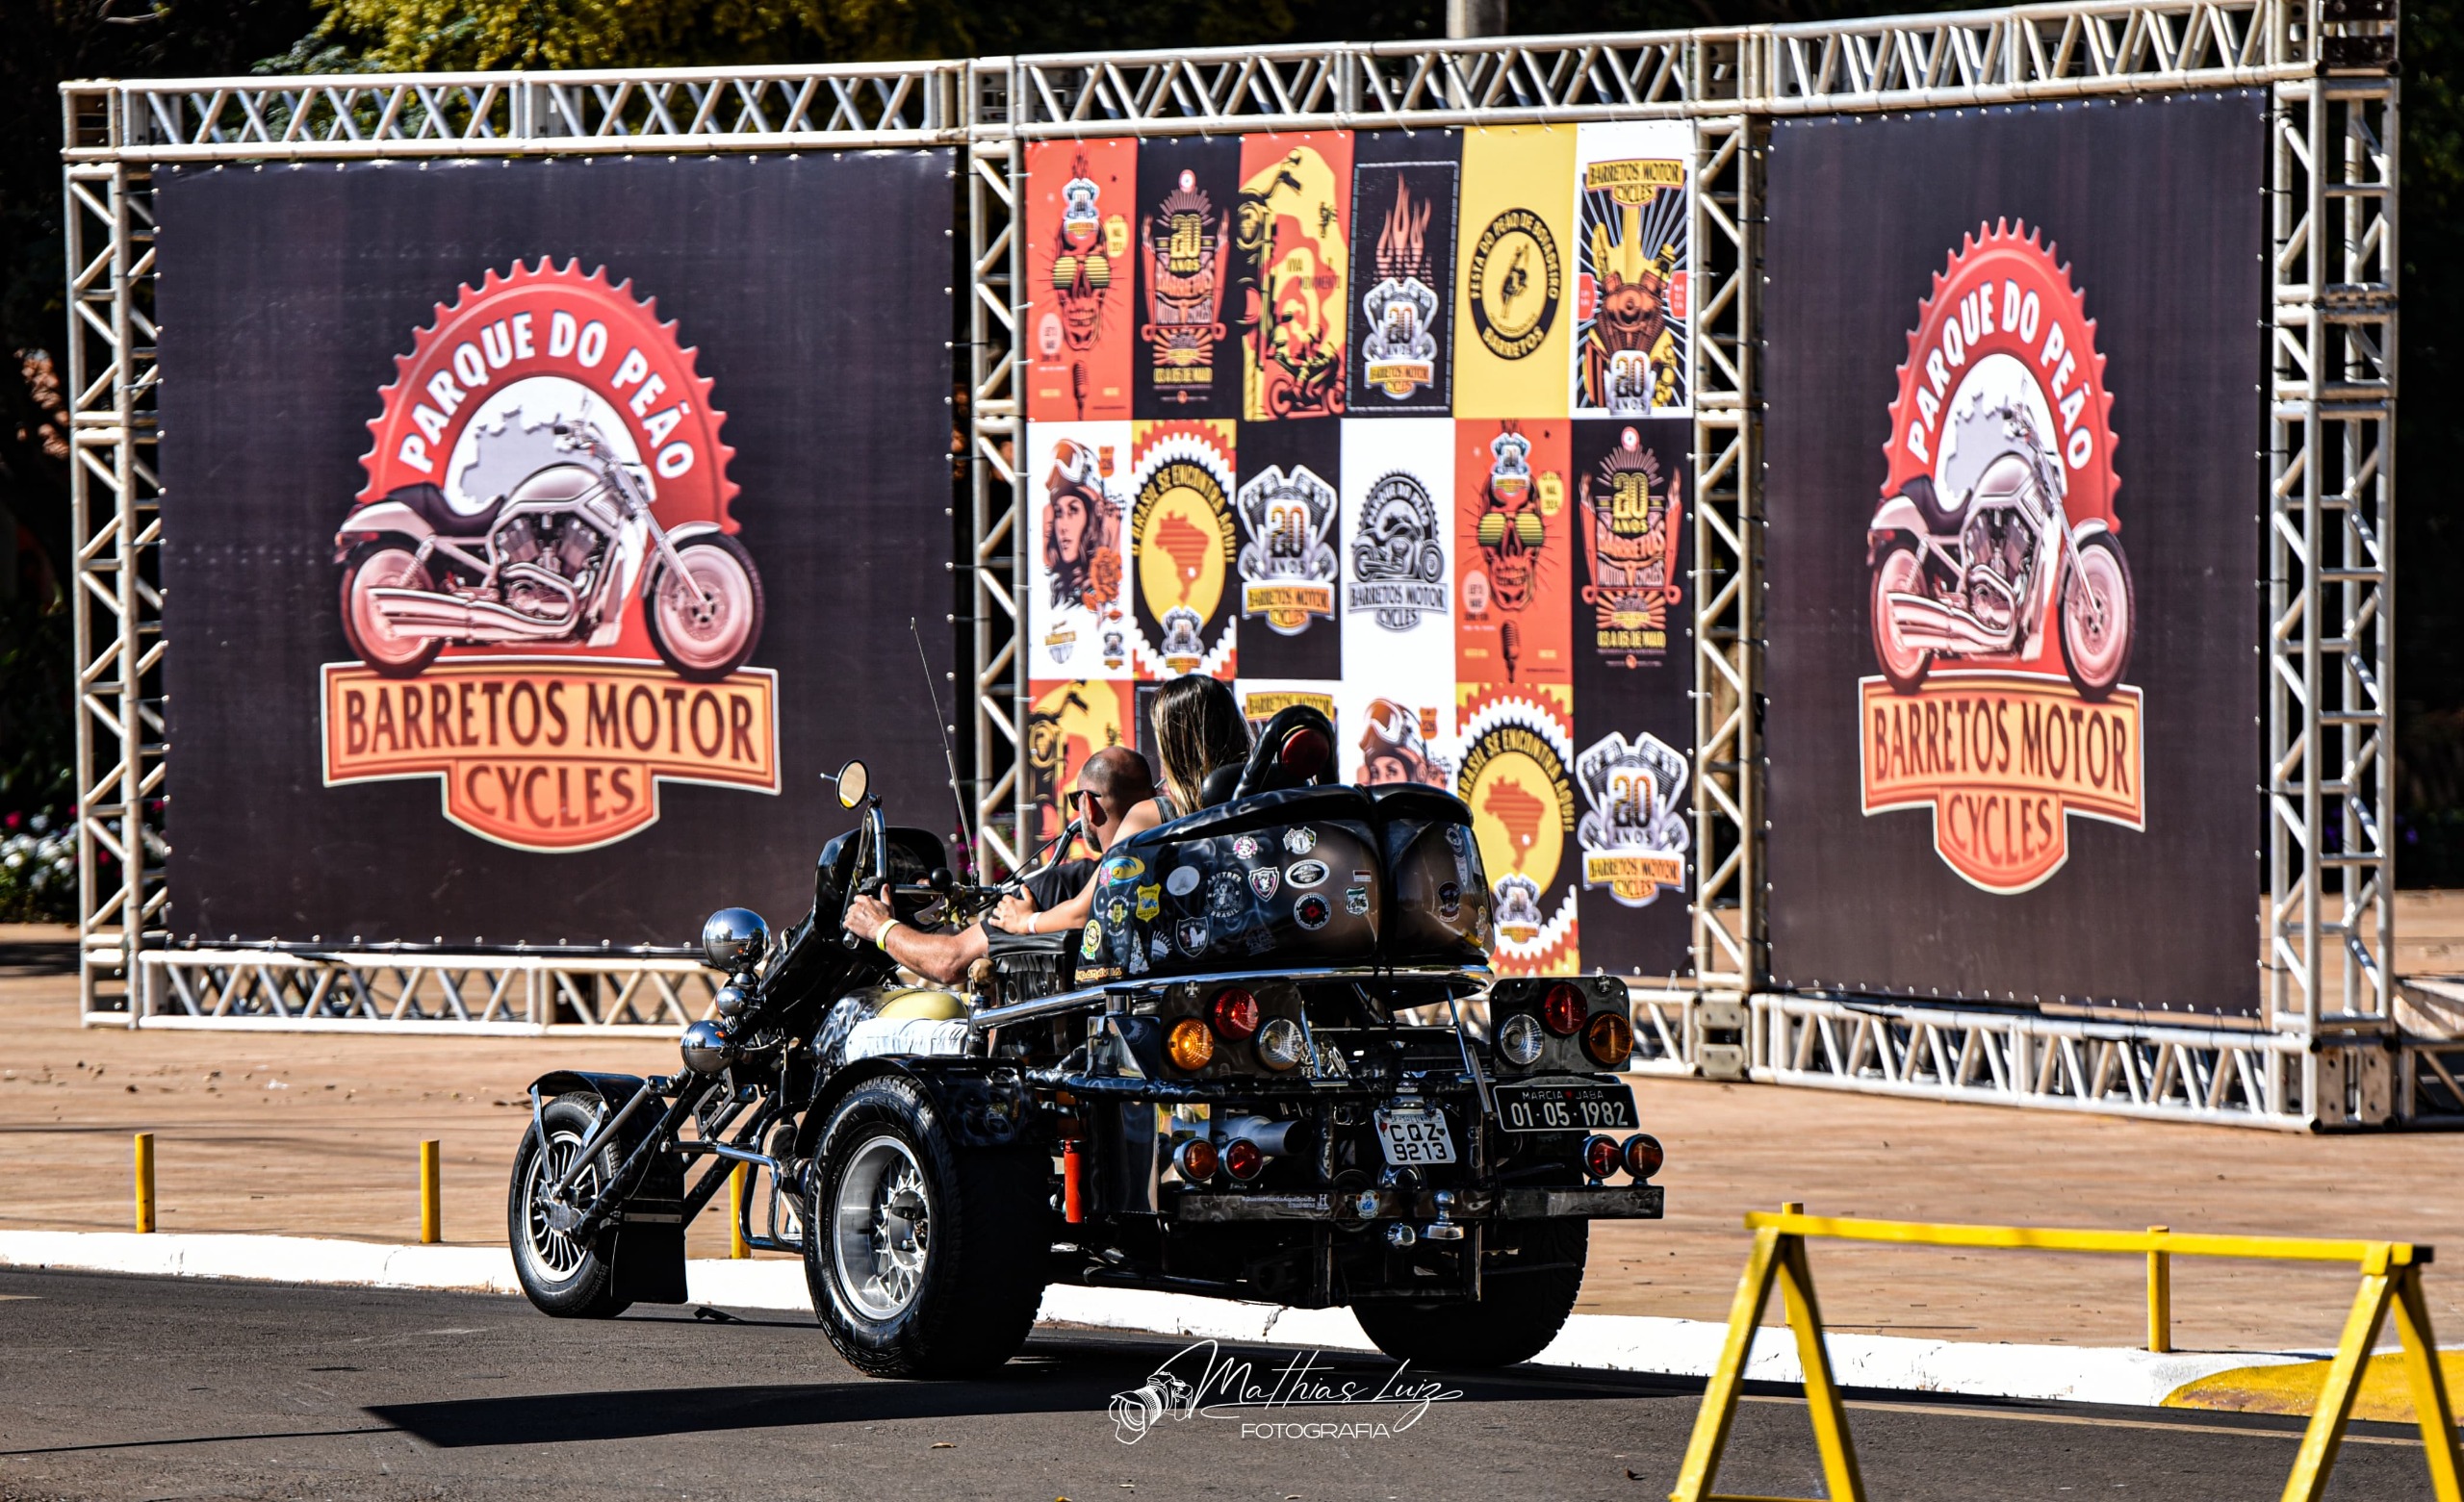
point(1017, 913)
point(865, 915)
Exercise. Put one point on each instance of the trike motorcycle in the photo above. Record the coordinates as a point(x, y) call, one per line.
point(1226, 1084)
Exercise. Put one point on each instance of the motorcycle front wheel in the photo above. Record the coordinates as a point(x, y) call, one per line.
point(2098, 614)
point(375, 566)
point(563, 1274)
point(705, 621)
point(1899, 571)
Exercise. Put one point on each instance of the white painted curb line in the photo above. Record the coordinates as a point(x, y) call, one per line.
point(1593, 1342)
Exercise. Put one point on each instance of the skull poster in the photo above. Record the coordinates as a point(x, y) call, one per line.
point(1289, 250)
point(1631, 283)
point(1513, 540)
point(1185, 364)
point(1079, 324)
point(1403, 187)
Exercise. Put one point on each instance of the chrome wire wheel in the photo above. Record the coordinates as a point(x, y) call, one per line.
point(882, 1227)
point(556, 1254)
point(707, 612)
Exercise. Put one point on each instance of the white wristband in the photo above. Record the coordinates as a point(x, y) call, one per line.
point(882, 932)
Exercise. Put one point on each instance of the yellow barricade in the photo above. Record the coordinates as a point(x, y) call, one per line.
point(2390, 1281)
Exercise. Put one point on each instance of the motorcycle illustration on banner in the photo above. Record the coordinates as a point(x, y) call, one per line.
point(1288, 565)
point(1293, 238)
point(540, 579)
point(1996, 544)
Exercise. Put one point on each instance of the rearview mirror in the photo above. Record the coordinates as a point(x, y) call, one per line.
point(853, 781)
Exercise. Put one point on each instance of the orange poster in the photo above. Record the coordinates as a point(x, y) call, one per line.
point(1513, 553)
point(1068, 720)
point(1292, 241)
point(1079, 323)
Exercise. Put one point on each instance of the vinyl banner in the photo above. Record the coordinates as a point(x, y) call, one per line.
point(1517, 774)
point(1633, 677)
point(511, 570)
point(1067, 722)
point(1404, 186)
point(1292, 245)
point(1188, 363)
point(1399, 585)
point(1081, 327)
point(1290, 550)
point(1513, 315)
point(1077, 493)
point(1514, 540)
point(1183, 547)
point(2012, 447)
point(1632, 256)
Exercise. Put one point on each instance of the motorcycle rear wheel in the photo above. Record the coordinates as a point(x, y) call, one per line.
point(562, 1274)
point(2098, 614)
point(1524, 1303)
point(1898, 571)
point(375, 566)
point(925, 1257)
point(706, 636)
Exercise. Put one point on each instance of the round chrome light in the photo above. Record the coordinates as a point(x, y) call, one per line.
point(1644, 1156)
point(1281, 1044)
point(731, 1000)
point(734, 937)
point(1242, 1160)
point(1196, 1160)
point(707, 1047)
point(1601, 1155)
point(1519, 1040)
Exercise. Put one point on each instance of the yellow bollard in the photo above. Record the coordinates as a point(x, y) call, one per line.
point(2160, 1297)
point(145, 1181)
point(431, 1200)
point(735, 1212)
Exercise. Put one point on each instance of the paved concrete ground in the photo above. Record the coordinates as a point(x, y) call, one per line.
point(123, 1388)
point(317, 1134)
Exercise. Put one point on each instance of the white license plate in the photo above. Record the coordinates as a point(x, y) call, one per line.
point(1414, 1135)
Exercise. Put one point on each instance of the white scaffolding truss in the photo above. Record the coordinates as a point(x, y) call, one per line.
point(2327, 1051)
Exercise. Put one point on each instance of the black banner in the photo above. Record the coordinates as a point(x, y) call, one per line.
point(1403, 272)
point(1187, 359)
point(1291, 545)
point(1630, 503)
point(2013, 490)
point(510, 564)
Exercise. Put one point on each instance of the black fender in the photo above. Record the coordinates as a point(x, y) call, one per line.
point(646, 1245)
point(986, 1104)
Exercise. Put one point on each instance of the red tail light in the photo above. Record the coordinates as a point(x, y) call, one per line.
point(1644, 1156)
point(1235, 1015)
point(1602, 1157)
point(1563, 1009)
point(1304, 754)
point(1197, 1159)
point(1242, 1160)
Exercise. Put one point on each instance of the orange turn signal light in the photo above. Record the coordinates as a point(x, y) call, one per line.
point(1191, 1045)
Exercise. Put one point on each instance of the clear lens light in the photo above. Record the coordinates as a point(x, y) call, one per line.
point(1281, 1045)
point(1519, 1040)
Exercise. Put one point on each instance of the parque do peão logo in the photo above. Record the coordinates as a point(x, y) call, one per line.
point(541, 581)
point(2001, 608)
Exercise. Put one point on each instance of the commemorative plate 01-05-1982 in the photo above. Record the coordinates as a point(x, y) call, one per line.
point(1584, 1106)
point(1414, 1135)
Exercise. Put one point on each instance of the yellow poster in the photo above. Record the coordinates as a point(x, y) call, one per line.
point(1514, 299)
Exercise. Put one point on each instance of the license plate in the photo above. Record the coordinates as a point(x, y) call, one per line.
point(1566, 1108)
point(1415, 1134)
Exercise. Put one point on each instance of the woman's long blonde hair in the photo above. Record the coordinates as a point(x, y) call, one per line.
point(1198, 727)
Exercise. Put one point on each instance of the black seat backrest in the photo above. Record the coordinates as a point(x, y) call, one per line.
point(1295, 749)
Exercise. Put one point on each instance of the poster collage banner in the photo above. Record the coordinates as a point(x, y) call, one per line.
point(1395, 425)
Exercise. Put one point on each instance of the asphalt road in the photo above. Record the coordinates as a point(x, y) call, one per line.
point(129, 1387)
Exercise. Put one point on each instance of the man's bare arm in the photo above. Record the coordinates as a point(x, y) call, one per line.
point(941, 957)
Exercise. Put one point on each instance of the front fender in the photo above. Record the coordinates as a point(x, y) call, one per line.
point(984, 1106)
point(379, 518)
point(614, 1089)
point(677, 537)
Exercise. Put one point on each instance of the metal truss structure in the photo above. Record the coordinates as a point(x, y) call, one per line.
point(300, 989)
point(2328, 1051)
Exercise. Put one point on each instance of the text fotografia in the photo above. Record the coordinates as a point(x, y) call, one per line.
point(1200, 1382)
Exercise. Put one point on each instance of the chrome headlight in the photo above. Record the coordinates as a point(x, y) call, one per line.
point(731, 1000)
point(1281, 1045)
point(1519, 1040)
point(707, 1047)
point(734, 937)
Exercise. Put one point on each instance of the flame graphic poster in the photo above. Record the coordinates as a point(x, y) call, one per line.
point(1404, 186)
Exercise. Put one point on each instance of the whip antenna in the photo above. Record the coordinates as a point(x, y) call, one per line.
point(949, 757)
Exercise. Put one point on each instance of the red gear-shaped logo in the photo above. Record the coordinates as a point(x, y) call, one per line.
point(553, 321)
point(2003, 294)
